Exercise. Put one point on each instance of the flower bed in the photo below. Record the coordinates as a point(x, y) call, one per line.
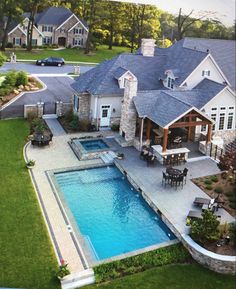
point(13, 83)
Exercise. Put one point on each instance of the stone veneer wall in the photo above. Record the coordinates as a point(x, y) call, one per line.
point(218, 263)
point(84, 106)
point(227, 135)
point(128, 111)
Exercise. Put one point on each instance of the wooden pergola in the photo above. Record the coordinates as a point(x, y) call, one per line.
point(189, 121)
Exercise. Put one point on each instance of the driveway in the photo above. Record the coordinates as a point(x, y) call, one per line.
point(58, 89)
point(34, 69)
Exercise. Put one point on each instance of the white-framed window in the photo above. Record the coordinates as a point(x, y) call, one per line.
point(214, 108)
point(230, 120)
point(170, 82)
point(221, 121)
point(76, 103)
point(77, 41)
point(78, 31)
point(206, 72)
point(17, 41)
point(203, 128)
point(213, 117)
point(46, 28)
point(47, 40)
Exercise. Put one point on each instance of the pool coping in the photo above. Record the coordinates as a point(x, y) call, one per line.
point(74, 228)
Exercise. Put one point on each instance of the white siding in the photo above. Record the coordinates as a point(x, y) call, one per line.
point(197, 77)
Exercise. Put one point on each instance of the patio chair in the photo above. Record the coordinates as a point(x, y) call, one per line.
point(201, 201)
point(151, 160)
point(165, 178)
point(179, 180)
point(194, 215)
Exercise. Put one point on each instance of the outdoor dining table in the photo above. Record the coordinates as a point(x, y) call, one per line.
point(41, 139)
point(173, 172)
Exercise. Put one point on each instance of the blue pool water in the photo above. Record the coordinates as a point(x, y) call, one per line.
point(94, 145)
point(111, 215)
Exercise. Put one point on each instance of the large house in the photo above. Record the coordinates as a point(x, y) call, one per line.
point(55, 25)
point(189, 86)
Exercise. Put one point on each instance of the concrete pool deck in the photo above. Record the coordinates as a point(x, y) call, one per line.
point(174, 204)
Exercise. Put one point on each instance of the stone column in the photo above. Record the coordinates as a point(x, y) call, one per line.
point(40, 109)
point(59, 108)
point(128, 111)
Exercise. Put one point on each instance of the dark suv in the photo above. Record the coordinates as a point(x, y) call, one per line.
point(51, 61)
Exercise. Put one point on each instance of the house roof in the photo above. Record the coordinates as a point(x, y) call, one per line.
point(102, 80)
point(119, 72)
point(53, 16)
point(155, 104)
point(223, 52)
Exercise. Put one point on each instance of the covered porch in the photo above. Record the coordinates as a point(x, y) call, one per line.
point(175, 138)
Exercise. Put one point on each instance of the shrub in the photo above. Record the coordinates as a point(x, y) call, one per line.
point(84, 125)
point(208, 182)
point(232, 205)
point(23, 45)
point(163, 256)
point(218, 190)
point(63, 270)
point(21, 78)
point(205, 229)
point(69, 115)
point(208, 187)
point(74, 123)
point(2, 59)
point(232, 232)
point(230, 193)
point(10, 79)
point(115, 127)
point(5, 90)
point(214, 179)
point(31, 116)
point(38, 125)
point(9, 45)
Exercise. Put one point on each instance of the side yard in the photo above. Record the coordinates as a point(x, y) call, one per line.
point(69, 54)
point(27, 257)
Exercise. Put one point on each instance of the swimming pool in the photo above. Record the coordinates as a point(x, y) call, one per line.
point(110, 214)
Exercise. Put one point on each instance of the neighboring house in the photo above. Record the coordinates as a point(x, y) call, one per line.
point(193, 79)
point(55, 25)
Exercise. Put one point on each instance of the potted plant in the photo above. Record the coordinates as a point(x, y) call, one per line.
point(63, 270)
point(30, 164)
point(120, 156)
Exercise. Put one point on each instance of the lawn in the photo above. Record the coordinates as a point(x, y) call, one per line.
point(188, 276)
point(27, 258)
point(101, 54)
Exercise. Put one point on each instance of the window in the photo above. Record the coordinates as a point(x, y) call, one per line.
point(77, 41)
point(213, 117)
point(206, 73)
point(170, 82)
point(203, 128)
point(76, 103)
point(47, 28)
point(214, 108)
point(47, 40)
point(17, 41)
point(34, 42)
point(78, 31)
point(230, 120)
point(221, 121)
point(223, 108)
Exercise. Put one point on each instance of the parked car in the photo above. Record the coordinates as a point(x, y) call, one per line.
point(51, 61)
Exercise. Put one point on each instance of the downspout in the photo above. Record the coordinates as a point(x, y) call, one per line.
point(141, 133)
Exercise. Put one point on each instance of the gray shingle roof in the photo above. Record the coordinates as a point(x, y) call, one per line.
point(223, 52)
point(53, 16)
point(101, 80)
point(156, 104)
point(119, 72)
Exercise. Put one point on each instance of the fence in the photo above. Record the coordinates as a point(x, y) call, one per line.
point(215, 151)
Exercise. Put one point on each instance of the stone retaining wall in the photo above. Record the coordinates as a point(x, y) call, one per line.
point(218, 263)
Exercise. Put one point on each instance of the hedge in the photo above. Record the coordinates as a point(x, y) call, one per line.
point(172, 254)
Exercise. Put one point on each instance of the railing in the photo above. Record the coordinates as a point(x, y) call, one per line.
point(215, 151)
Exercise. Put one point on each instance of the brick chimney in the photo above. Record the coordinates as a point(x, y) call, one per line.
point(128, 111)
point(148, 47)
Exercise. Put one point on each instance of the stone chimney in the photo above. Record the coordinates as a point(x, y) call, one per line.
point(128, 111)
point(148, 47)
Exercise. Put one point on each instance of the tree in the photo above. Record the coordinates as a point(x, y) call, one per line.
point(205, 229)
point(2, 59)
point(184, 22)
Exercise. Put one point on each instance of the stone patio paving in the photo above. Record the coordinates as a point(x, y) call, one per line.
point(174, 204)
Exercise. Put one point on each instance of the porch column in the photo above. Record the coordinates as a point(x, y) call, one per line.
point(148, 132)
point(165, 139)
point(209, 131)
point(141, 133)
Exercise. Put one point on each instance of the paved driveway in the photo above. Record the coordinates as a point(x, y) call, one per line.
point(34, 69)
point(58, 89)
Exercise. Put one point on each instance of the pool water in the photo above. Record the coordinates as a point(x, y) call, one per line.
point(94, 145)
point(111, 215)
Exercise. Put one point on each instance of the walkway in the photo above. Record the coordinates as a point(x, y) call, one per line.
point(55, 127)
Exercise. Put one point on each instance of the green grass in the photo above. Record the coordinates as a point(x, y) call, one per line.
point(101, 54)
point(27, 258)
point(187, 276)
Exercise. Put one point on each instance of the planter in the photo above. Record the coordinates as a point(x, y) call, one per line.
point(29, 166)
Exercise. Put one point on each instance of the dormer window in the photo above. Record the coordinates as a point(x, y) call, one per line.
point(170, 82)
point(206, 73)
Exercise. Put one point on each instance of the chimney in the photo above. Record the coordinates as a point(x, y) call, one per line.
point(148, 47)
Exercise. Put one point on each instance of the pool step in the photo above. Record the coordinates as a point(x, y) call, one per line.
point(76, 280)
point(108, 157)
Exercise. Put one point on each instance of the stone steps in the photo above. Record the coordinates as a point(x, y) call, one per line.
point(76, 280)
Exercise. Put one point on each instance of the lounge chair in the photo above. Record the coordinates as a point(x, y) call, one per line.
point(201, 201)
point(198, 214)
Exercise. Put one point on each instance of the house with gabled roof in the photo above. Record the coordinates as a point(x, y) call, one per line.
point(188, 88)
point(55, 25)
